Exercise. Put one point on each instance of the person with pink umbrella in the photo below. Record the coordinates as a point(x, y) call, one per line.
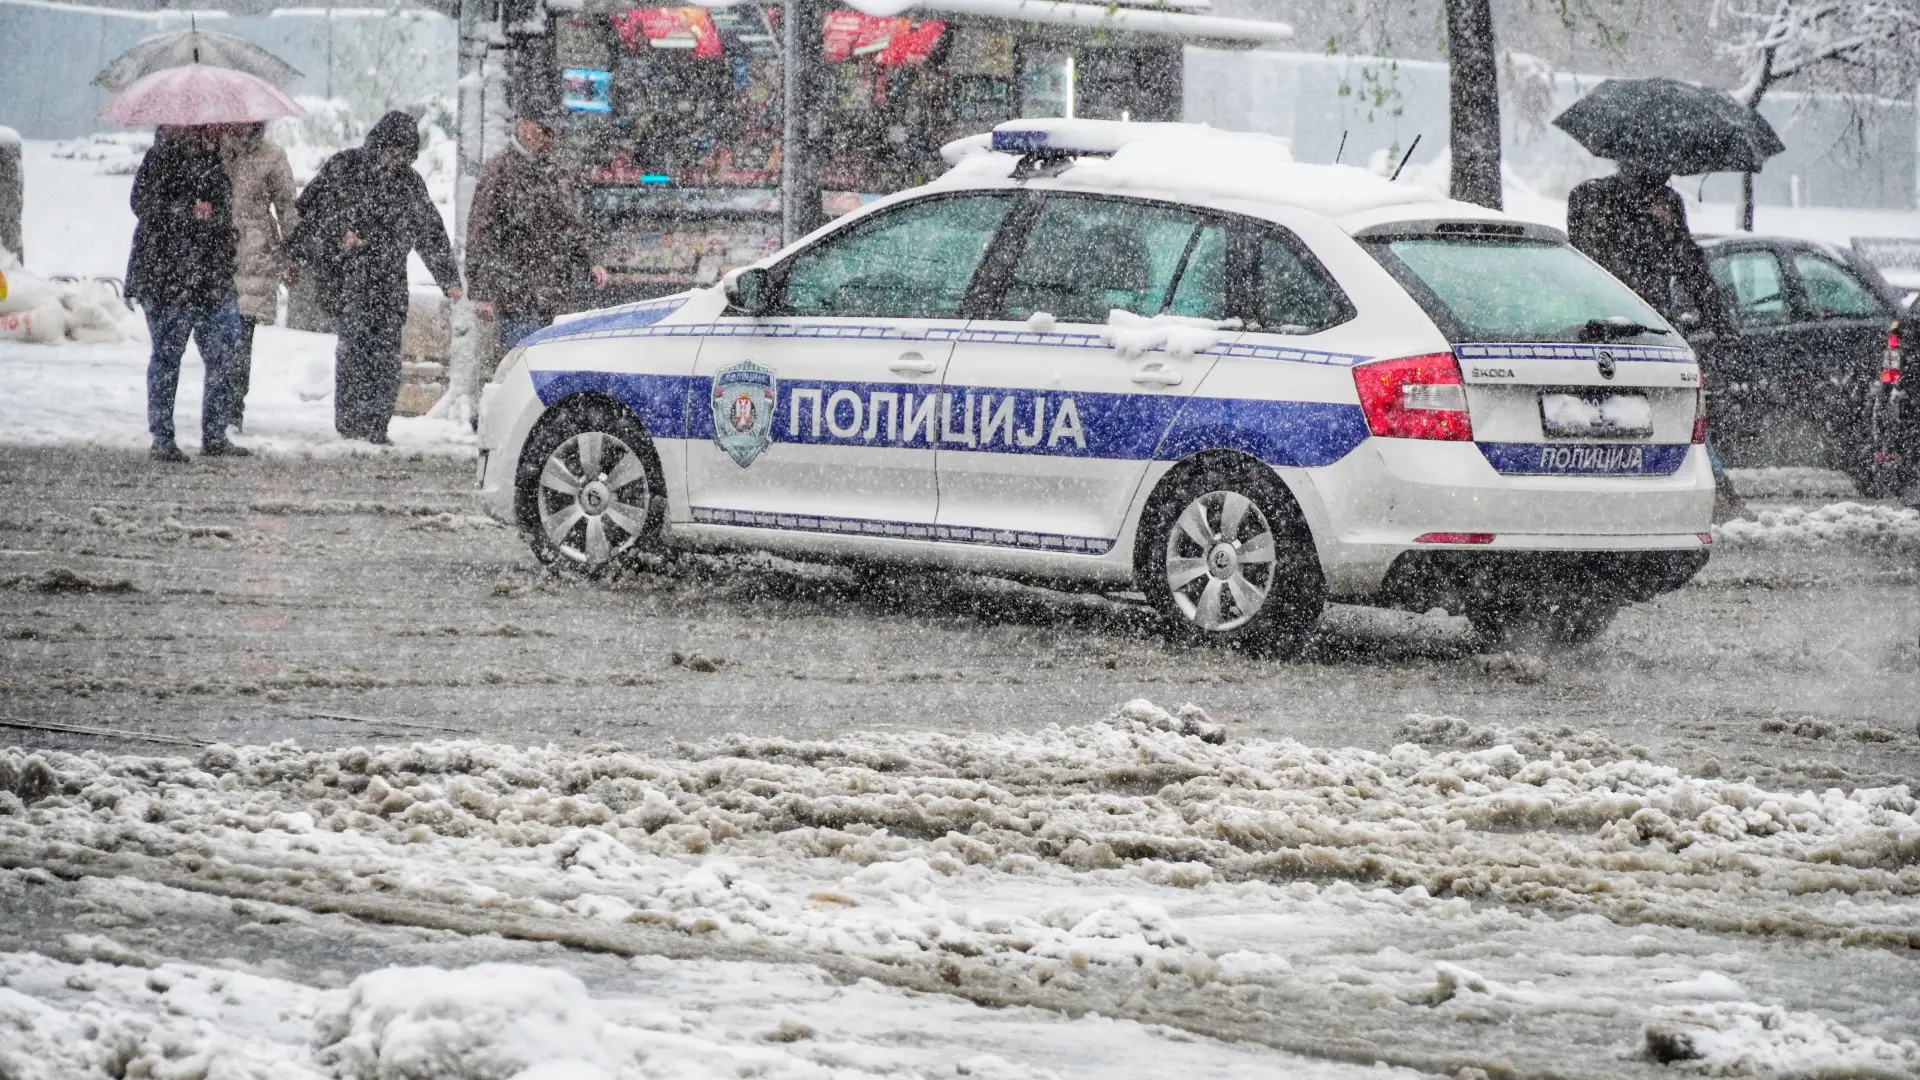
point(181, 267)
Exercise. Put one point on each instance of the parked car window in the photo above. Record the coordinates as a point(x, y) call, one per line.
point(1291, 295)
point(1752, 283)
point(914, 261)
point(1202, 291)
point(1086, 257)
point(1482, 289)
point(1832, 291)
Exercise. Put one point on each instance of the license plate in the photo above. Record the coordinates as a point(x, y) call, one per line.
point(1590, 416)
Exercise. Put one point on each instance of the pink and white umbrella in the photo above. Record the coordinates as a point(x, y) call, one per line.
point(199, 94)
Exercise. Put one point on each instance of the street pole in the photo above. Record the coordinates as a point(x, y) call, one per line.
point(470, 151)
point(800, 190)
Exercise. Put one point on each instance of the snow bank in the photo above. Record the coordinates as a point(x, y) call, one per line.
point(1889, 528)
point(1145, 858)
point(686, 844)
point(488, 1021)
point(1745, 1039)
point(46, 312)
point(1789, 481)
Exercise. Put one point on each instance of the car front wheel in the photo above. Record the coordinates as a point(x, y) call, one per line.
point(591, 491)
point(1225, 555)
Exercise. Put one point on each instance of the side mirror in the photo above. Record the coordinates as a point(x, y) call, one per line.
point(749, 290)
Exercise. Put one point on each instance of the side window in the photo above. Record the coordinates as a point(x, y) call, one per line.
point(1752, 283)
point(1832, 291)
point(1290, 294)
point(1086, 257)
point(912, 262)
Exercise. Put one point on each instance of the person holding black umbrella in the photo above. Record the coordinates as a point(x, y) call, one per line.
point(1635, 225)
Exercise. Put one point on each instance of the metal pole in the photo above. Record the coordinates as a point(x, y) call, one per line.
point(470, 133)
point(12, 193)
point(800, 190)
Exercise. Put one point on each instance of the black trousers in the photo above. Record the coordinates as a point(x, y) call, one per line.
point(366, 366)
point(242, 372)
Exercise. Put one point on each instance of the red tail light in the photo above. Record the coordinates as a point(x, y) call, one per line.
point(1890, 375)
point(1700, 410)
point(1454, 538)
point(1415, 397)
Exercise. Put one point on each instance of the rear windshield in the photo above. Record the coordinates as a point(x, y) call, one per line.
point(1480, 289)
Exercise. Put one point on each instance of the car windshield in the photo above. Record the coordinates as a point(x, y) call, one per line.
point(1482, 289)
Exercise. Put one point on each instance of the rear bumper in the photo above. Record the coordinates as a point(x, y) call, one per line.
point(1457, 580)
point(1375, 505)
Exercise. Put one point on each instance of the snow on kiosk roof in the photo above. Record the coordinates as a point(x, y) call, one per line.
point(1198, 163)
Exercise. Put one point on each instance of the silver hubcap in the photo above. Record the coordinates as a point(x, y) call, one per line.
point(594, 497)
point(1220, 561)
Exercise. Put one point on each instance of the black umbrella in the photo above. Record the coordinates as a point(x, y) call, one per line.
point(1682, 128)
point(196, 46)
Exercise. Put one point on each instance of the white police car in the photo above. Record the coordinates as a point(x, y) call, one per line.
point(1148, 357)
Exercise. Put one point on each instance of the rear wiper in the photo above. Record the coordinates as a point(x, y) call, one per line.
point(1616, 329)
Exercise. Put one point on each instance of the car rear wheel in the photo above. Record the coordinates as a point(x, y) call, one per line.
point(591, 491)
point(1225, 555)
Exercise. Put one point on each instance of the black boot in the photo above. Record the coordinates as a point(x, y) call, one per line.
point(166, 450)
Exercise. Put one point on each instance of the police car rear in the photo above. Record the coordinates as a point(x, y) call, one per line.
point(1549, 466)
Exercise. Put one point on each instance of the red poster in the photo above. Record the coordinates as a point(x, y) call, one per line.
point(661, 24)
point(912, 43)
point(893, 42)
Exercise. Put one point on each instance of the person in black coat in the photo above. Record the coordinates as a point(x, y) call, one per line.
point(359, 218)
point(1633, 224)
point(181, 272)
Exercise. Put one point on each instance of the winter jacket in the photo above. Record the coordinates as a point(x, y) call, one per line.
point(264, 214)
point(179, 260)
point(388, 209)
point(527, 249)
point(1616, 221)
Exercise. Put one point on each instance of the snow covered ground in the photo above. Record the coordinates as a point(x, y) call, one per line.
point(1147, 894)
point(97, 395)
point(1535, 901)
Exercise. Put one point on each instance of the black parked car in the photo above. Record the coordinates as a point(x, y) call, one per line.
point(1812, 377)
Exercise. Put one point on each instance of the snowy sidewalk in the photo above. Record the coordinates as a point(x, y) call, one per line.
point(96, 395)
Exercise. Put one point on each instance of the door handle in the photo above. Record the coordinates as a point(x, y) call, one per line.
point(912, 363)
point(1157, 374)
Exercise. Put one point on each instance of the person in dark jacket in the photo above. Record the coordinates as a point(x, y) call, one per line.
point(359, 218)
point(1633, 224)
point(527, 249)
point(181, 272)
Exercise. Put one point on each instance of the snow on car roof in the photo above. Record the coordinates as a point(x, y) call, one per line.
point(1200, 164)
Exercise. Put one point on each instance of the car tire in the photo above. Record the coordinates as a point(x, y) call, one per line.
point(1562, 622)
point(1225, 554)
point(590, 493)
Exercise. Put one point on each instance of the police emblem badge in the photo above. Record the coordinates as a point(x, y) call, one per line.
point(743, 400)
